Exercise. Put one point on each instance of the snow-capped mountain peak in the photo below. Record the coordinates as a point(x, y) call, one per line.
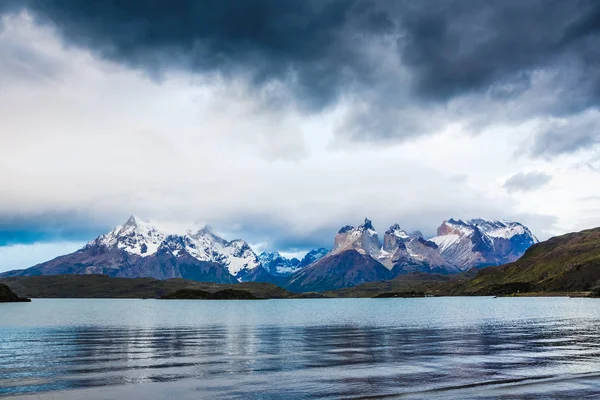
point(134, 236)
point(367, 226)
point(236, 255)
point(278, 265)
point(480, 241)
point(396, 231)
point(363, 239)
point(143, 239)
point(502, 228)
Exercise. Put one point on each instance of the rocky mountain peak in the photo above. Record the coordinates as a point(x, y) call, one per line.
point(142, 239)
point(278, 265)
point(313, 256)
point(480, 242)
point(417, 234)
point(396, 231)
point(363, 239)
point(134, 236)
point(367, 225)
point(131, 222)
point(345, 229)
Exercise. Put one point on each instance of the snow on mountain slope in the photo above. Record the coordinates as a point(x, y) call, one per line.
point(135, 237)
point(480, 242)
point(405, 253)
point(400, 252)
point(143, 239)
point(502, 229)
point(278, 265)
point(446, 241)
point(313, 256)
point(363, 239)
point(138, 248)
point(235, 255)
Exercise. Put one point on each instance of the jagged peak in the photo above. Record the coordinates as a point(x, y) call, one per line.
point(135, 224)
point(207, 232)
point(417, 234)
point(345, 229)
point(397, 231)
point(132, 221)
point(270, 254)
point(368, 224)
point(490, 229)
point(453, 221)
point(395, 227)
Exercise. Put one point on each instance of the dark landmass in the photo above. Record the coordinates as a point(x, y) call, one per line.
point(102, 286)
point(567, 263)
point(430, 284)
point(404, 295)
point(8, 296)
point(196, 294)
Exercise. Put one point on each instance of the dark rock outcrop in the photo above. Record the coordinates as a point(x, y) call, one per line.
point(8, 296)
point(195, 294)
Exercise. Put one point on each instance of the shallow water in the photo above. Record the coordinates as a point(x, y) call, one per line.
point(510, 348)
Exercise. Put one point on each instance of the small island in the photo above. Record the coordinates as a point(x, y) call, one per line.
point(404, 295)
point(8, 296)
point(196, 294)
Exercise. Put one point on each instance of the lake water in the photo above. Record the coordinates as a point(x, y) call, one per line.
point(462, 348)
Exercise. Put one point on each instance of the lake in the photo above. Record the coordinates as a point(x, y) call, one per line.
point(440, 348)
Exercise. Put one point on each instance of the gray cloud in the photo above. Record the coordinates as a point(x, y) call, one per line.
point(527, 181)
point(109, 142)
point(399, 63)
point(304, 43)
point(567, 136)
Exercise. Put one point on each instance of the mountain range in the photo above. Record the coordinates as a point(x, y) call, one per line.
point(139, 249)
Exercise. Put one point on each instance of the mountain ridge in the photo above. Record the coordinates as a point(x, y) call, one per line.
point(139, 249)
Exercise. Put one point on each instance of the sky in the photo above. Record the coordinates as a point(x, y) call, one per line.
point(279, 122)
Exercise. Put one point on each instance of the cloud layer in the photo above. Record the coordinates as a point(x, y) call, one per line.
point(279, 122)
point(403, 67)
point(526, 181)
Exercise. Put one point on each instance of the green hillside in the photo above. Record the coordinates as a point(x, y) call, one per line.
point(567, 263)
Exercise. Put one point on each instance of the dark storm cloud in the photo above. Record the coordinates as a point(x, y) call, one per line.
point(527, 181)
point(321, 49)
point(26, 229)
point(460, 46)
point(302, 42)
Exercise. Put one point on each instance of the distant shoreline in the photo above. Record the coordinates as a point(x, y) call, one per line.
point(104, 287)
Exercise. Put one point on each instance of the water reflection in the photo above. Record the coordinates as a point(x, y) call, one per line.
point(558, 357)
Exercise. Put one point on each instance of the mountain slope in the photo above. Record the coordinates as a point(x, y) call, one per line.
point(479, 242)
point(312, 256)
point(114, 262)
point(339, 270)
point(138, 249)
point(235, 255)
point(564, 263)
point(277, 265)
point(407, 253)
point(400, 252)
